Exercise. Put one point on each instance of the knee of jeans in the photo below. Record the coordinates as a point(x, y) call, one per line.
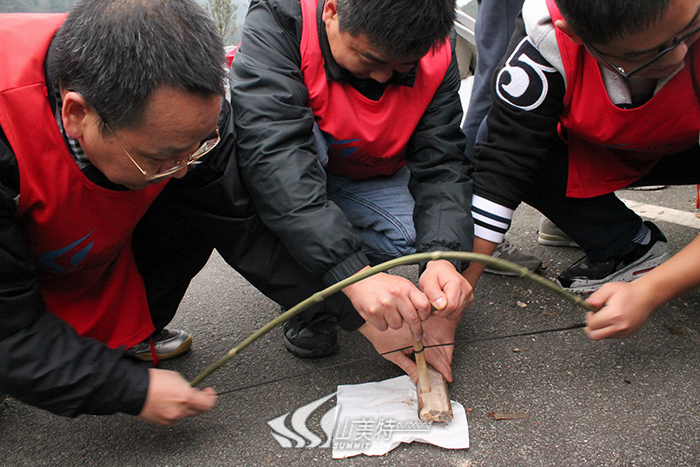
point(379, 252)
point(406, 247)
point(405, 243)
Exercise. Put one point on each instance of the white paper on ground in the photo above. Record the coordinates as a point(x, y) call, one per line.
point(374, 418)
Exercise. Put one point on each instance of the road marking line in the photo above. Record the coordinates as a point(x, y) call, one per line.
point(664, 214)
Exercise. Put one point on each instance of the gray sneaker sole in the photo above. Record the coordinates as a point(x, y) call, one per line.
point(654, 257)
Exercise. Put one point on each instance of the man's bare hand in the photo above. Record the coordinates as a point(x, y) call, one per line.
point(625, 308)
point(387, 301)
point(438, 331)
point(448, 291)
point(439, 342)
point(171, 398)
point(390, 340)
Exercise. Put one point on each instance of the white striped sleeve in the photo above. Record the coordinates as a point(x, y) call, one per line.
point(491, 220)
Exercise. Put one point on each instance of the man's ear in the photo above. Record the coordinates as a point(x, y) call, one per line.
point(330, 11)
point(76, 114)
point(564, 26)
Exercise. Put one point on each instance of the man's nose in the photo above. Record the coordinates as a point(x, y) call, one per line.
point(675, 56)
point(382, 75)
point(181, 172)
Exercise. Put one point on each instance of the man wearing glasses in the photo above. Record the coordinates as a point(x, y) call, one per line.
point(592, 97)
point(109, 118)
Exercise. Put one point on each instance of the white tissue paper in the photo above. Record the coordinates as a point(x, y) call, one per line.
point(374, 418)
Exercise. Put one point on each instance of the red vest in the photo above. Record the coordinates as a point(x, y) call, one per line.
point(609, 147)
point(79, 234)
point(366, 138)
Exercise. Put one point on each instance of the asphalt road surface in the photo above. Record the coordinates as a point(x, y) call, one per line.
point(631, 402)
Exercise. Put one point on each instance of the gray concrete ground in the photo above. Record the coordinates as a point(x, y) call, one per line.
point(618, 403)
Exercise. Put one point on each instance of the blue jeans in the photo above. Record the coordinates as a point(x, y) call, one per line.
point(380, 208)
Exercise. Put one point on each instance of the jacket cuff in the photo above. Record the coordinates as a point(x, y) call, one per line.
point(352, 322)
point(136, 389)
point(345, 269)
point(349, 319)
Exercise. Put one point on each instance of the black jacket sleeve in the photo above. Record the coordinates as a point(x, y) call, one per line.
point(276, 149)
point(440, 173)
point(522, 123)
point(43, 362)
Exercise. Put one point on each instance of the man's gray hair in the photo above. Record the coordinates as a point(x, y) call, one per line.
point(116, 53)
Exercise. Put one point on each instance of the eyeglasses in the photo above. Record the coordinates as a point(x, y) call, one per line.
point(176, 165)
point(626, 74)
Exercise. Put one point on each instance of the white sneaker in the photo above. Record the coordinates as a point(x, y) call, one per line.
point(551, 235)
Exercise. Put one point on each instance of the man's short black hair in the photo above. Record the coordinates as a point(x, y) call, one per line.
point(601, 21)
point(116, 53)
point(401, 29)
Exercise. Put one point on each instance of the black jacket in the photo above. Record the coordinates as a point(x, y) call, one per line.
point(43, 362)
point(278, 160)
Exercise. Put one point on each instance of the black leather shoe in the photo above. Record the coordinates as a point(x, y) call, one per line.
point(310, 340)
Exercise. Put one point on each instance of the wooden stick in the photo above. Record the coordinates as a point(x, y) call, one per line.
point(419, 354)
point(435, 406)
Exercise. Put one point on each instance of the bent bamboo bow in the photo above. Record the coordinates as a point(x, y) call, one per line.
point(405, 260)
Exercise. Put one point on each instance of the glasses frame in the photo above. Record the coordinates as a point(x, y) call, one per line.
point(206, 147)
point(626, 74)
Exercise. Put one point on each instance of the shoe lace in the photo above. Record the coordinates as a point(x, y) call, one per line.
point(507, 247)
point(154, 355)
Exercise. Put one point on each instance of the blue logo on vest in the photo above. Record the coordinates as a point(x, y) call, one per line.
point(49, 261)
point(336, 146)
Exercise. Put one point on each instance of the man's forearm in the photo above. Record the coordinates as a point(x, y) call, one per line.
point(474, 271)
